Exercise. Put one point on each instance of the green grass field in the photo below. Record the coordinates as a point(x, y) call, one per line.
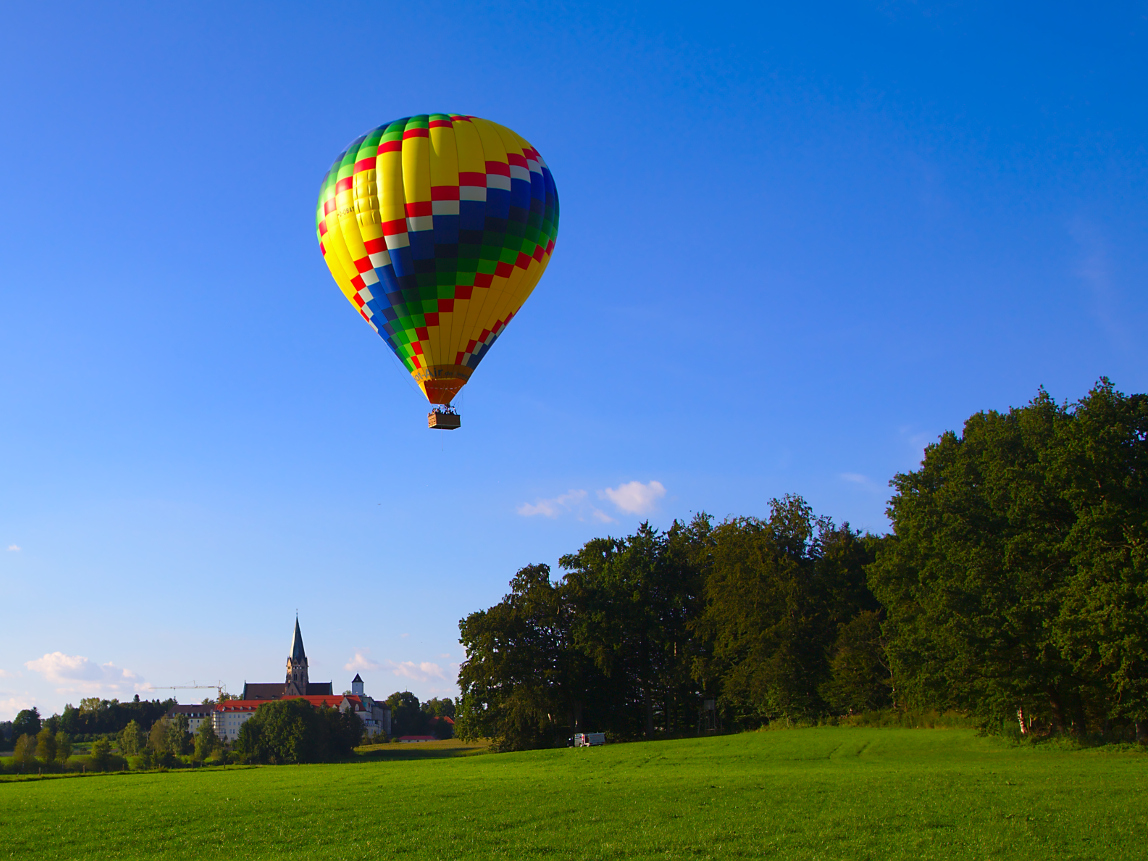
point(831, 792)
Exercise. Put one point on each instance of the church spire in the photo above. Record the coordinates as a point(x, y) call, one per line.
point(297, 653)
point(297, 680)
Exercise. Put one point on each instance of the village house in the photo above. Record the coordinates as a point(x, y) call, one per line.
point(195, 714)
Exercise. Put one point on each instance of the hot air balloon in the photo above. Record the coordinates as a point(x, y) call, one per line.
point(436, 228)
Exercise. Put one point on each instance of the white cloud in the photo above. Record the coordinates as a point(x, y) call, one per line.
point(10, 706)
point(572, 502)
point(1095, 270)
point(362, 661)
point(4, 674)
point(857, 478)
point(13, 548)
point(76, 674)
point(635, 497)
point(553, 507)
point(420, 672)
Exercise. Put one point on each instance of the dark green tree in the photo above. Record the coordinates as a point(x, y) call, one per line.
point(27, 722)
point(343, 732)
point(859, 677)
point(777, 593)
point(206, 741)
point(632, 602)
point(1100, 469)
point(101, 756)
point(407, 716)
point(435, 707)
point(516, 664)
point(290, 731)
point(1015, 582)
point(179, 735)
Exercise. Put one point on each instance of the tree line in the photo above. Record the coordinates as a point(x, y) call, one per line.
point(144, 734)
point(95, 717)
point(1013, 588)
point(410, 717)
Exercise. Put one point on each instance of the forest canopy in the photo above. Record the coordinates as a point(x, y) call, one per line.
point(1013, 587)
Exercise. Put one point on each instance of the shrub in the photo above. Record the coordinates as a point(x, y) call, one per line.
point(101, 757)
point(24, 756)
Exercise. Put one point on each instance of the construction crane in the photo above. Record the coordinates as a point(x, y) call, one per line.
point(219, 687)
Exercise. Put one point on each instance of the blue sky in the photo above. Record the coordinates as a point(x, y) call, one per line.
point(798, 241)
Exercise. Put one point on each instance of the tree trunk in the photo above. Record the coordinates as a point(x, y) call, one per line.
point(1020, 720)
point(1139, 732)
point(649, 703)
point(1080, 722)
point(1057, 710)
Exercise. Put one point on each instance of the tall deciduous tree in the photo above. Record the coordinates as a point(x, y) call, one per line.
point(46, 746)
point(1100, 468)
point(63, 747)
point(1015, 583)
point(206, 741)
point(516, 664)
point(777, 592)
point(407, 717)
point(101, 756)
point(132, 739)
point(24, 753)
point(291, 731)
point(27, 722)
point(631, 603)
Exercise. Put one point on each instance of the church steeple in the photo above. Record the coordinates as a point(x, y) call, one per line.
point(296, 666)
point(297, 653)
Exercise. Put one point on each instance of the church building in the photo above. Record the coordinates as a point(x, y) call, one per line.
point(228, 716)
point(297, 684)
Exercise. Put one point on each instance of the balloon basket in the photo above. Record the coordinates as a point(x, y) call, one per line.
point(446, 419)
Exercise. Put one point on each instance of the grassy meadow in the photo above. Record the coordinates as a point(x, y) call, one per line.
point(830, 792)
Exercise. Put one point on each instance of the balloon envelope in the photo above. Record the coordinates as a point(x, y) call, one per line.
point(437, 228)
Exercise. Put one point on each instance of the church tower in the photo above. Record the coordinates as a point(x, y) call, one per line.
point(296, 666)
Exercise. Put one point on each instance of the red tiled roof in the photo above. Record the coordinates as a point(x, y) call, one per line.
point(251, 705)
point(240, 705)
point(332, 700)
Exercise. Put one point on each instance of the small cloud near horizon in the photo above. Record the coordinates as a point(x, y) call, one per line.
point(77, 674)
point(13, 705)
point(13, 548)
point(573, 501)
point(362, 661)
point(631, 498)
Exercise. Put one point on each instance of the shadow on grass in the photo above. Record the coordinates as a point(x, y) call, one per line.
point(397, 751)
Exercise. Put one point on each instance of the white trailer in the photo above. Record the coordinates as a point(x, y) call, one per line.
point(589, 739)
